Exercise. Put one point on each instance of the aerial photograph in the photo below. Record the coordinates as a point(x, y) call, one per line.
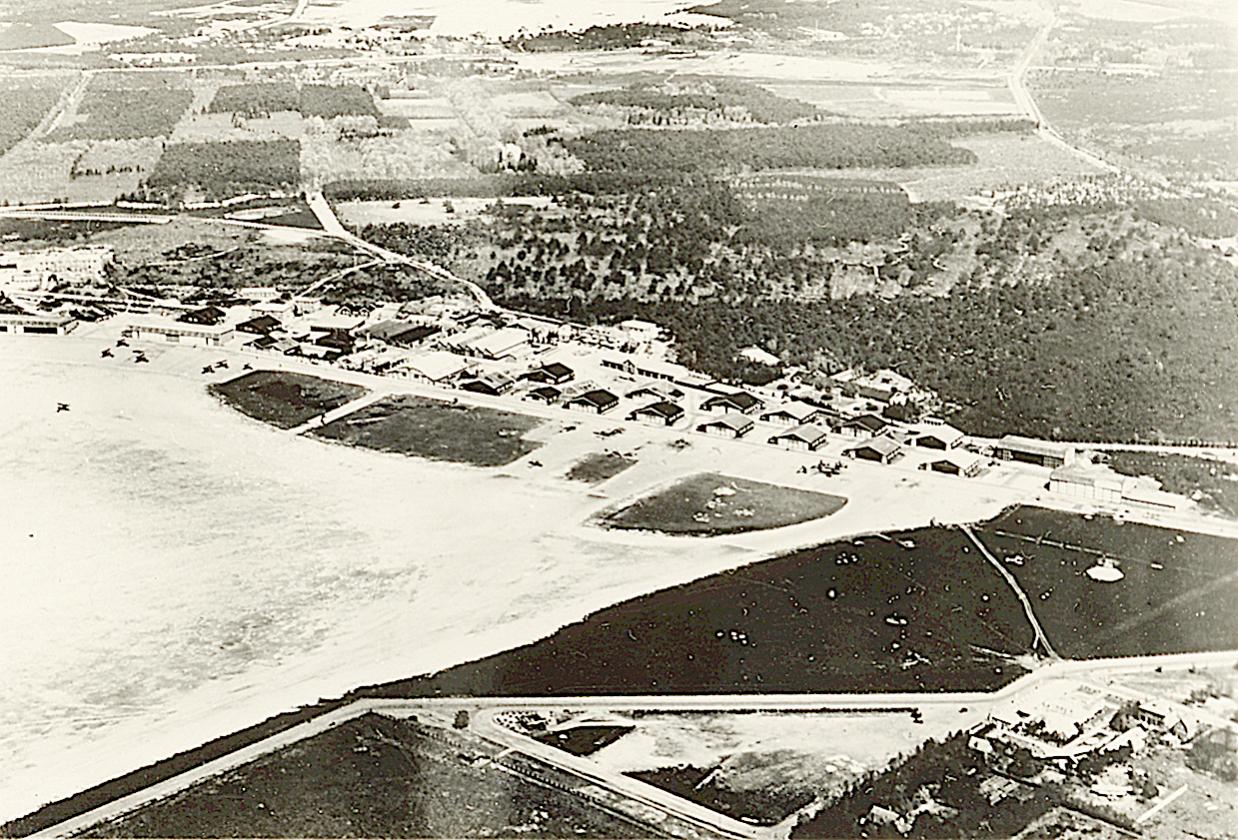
point(742, 419)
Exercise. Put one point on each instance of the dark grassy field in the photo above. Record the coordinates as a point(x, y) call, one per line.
point(371, 777)
point(584, 740)
point(1186, 605)
point(693, 506)
point(282, 398)
point(596, 468)
point(437, 430)
point(813, 621)
point(695, 784)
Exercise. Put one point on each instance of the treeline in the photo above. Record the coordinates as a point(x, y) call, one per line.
point(615, 36)
point(228, 167)
point(253, 99)
point(1214, 484)
point(1122, 350)
point(1208, 218)
point(27, 99)
point(819, 146)
point(492, 186)
point(718, 97)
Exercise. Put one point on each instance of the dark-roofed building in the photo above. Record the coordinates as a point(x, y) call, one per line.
point(740, 402)
point(661, 413)
point(938, 436)
point(545, 394)
point(806, 437)
point(555, 373)
point(958, 463)
point(865, 425)
point(340, 340)
point(262, 325)
point(883, 450)
point(596, 401)
point(1033, 451)
point(792, 414)
point(728, 425)
point(207, 316)
point(491, 384)
point(402, 333)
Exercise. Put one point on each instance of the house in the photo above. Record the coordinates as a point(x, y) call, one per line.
point(883, 450)
point(661, 413)
point(596, 401)
point(339, 340)
point(32, 324)
point(262, 325)
point(727, 425)
point(964, 464)
point(791, 414)
point(555, 373)
point(740, 402)
point(639, 332)
point(758, 356)
point(938, 436)
point(547, 394)
point(436, 366)
point(807, 437)
point(655, 369)
point(490, 384)
point(1069, 711)
point(206, 316)
point(866, 425)
point(882, 817)
point(885, 386)
point(1032, 451)
point(657, 392)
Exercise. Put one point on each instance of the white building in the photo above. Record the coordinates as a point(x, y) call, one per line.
point(179, 332)
point(36, 269)
point(435, 366)
point(36, 323)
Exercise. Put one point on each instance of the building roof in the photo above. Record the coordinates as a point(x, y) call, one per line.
point(558, 370)
point(500, 342)
point(663, 408)
point(437, 364)
point(758, 356)
point(963, 460)
point(545, 392)
point(261, 324)
point(1033, 446)
point(868, 422)
point(729, 421)
point(943, 432)
point(808, 433)
point(203, 315)
point(1087, 473)
point(740, 399)
point(798, 410)
point(597, 398)
point(155, 322)
point(883, 446)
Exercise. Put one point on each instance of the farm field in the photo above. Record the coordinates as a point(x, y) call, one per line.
point(282, 398)
point(920, 612)
point(436, 430)
point(875, 101)
point(371, 777)
point(710, 504)
point(1176, 594)
point(598, 467)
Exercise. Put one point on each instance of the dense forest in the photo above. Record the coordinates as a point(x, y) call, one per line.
point(696, 98)
point(228, 167)
point(253, 99)
point(615, 36)
point(27, 99)
point(126, 109)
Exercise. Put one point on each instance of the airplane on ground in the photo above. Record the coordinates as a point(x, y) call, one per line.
point(61, 407)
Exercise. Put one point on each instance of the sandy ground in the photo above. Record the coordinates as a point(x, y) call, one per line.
point(175, 571)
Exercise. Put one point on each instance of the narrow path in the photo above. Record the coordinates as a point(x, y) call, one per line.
point(336, 413)
point(1041, 639)
point(1156, 809)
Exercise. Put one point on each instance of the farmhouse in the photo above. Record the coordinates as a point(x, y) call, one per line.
point(938, 436)
point(262, 325)
point(490, 384)
point(883, 450)
point(727, 425)
point(34, 324)
point(791, 414)
point(176, 332)
point(740, 402)
point(35, 269)
point(1032, 451)
point(547, 394)
point(963, 464)
point(596, 401)
point(436, 366)
point(865, 425)
point(807, 437)
point(555, 373)
point(661, 413)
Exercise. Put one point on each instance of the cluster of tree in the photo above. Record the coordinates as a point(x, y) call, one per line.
point(691, 97)
point(1202, 217)
point(816, 146)
point(27, 99)
point(252, 99)
point(496, 185)
point(202, 267)
point(1214, 484)
point(948, 772)
point(615, 36)
point(383, 283)
point(228, 167)
point(126, 113)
